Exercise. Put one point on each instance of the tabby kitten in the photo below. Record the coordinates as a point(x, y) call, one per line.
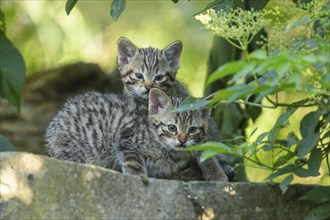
point(145, 68)
point(120, 132)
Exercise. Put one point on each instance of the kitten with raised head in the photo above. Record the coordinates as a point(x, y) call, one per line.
point(120, 132)
point(145, 68)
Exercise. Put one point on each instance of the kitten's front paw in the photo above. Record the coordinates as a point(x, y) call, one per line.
point(190, 174)
point(216, 175)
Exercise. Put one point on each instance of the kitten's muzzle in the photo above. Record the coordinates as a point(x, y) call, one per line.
point(182, 138)
point(148, 85)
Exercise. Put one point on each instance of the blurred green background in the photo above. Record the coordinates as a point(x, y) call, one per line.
point(48, 38)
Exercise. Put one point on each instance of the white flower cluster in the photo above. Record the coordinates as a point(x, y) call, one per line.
point(237, 24)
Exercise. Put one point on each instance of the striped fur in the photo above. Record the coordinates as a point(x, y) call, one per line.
point(120, 132)
point(141, 69)
point(145, 68)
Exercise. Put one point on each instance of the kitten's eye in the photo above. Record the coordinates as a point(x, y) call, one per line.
point(171, 128)
point(192, 130)
point(138, 75)
point(159, 78)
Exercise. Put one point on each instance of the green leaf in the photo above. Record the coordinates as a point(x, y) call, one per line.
point(302, 172)
point(284, 159)
point(2, 22)
point(307, 144)
point(207, 154)
point(69, 5)
point(318, 194)
point(268, 91)
point(284, 185)
point(191, 103)
point(314, 162)
point(175, 1)
point(242, 91)
point(225, 70)
point(327, 134)
point(325, 81)
point(291, 140)
point(222, 94)
point(309, 123)
point(259, 55)
point(319, 213)
point(246, 70)
point(287, 169)
point(12, 72)
point(222, 3)
point(261, 137)
point(273, 133)
point(258, 5)
point(117, 7)
point(6, 145)
point(267, 147)
point(211, 146)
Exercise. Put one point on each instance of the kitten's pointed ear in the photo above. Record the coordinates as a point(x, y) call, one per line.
point(158, 101)
point(126, 51)
point(172, 54)
point(206, 113)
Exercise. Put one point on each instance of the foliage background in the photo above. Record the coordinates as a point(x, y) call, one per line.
point(48, 37)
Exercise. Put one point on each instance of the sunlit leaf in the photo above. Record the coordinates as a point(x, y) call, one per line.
point(259, 55)
point(268, 91)
point(207, 154)
point(247, 70)
point(117, 7)
point(319, 213)
point(307, 144)
point(191, 103)
point(284, 185)
point(12, 72)
point(225, 70)
point(211, 146)
point(69, 5)
point(222, 94)
point(6, 145)
point(242, 92)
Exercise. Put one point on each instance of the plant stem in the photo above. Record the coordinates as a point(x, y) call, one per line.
point(233, 43)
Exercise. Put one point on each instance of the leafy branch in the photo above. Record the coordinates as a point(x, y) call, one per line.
point(296, 65)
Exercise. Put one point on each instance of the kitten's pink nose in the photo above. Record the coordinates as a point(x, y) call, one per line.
point(148, 85)
point(182, 138)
